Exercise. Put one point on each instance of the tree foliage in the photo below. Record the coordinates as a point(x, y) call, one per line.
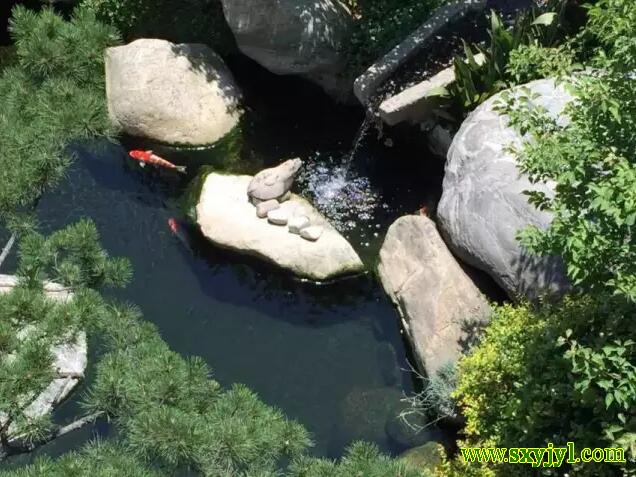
point(52, 95)
point(31, 323)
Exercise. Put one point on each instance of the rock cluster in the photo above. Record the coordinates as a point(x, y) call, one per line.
point(228, 219)
point(268, 191)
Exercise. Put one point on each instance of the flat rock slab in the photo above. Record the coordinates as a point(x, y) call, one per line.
point(228, 219)
point(69, 359)
point(437, 301)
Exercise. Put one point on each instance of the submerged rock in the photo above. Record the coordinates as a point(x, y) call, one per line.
point(426, 457)
point(227, 219)
point(275, 182)
point(171, 93)
point(298, 37)
point(437, 301)
point(483, 204)
point(69, 359)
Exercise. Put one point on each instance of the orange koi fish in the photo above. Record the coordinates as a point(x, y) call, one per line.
point(148, 157)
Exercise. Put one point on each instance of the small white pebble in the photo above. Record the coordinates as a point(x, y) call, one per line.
point(278, 216)
point(297, 223)
point(311, 233)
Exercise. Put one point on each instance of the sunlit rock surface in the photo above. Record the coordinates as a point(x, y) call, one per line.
point(229, 220)
point(299, 37)
point(438, 303)
point(69, 359)
point(483, 204)
point(176, 94)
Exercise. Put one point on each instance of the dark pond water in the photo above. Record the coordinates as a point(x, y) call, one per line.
point(330, 356)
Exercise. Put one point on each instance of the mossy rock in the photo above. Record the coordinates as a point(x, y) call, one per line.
point(426, 457)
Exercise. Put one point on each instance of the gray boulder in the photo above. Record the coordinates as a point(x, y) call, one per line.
point(439, 304)
point(298, 37)
point(483, 204)
point(228, 220)
point(174, 94)
point(275, 182)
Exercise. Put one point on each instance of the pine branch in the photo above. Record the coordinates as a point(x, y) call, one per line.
point(14, 447)
point(7, 249)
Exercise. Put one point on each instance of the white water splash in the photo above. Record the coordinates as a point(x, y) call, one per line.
point(345, 197)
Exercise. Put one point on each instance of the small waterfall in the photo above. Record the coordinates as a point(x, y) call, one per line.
point(359, 138)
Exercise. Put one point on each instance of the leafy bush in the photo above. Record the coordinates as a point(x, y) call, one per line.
point(527, 44)
point(591, 159)
point(530, 62)
point(555, 374)
point(179, 21)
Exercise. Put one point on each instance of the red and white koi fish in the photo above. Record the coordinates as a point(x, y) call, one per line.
point(174, 226)
point(148, 157)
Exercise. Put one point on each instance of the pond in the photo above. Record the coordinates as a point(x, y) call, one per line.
point(330, 356)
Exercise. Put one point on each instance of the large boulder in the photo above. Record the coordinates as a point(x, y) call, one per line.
point(439, 304)
point(299, 37)
point(229, 220)
point(179, 94)
point(483, 204)
point(69, 359)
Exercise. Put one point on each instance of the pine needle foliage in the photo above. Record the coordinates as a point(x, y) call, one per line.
point(31, 323)
point(95, 460)
point(52, 95)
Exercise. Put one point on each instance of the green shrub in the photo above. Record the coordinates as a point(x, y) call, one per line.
point(530, 62)
point(179, 21)
point(543, 26)
point(591, 159)
point(557, 374)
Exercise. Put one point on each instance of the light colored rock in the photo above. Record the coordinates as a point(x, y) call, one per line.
point(366, 84)
point(417, 103)
point(312, 233)
point(228, 220)
point(434, 297)
point(263, 208)
point(299, 37)
point(175, 94)
point(483, 204)
point(275, 182)
point(278, 216)
point(69, 359)
point(298, 223)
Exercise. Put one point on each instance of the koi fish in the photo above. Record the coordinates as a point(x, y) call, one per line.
point(174, 227)
point(178, 232)
point(425, 211)
point(148, 157)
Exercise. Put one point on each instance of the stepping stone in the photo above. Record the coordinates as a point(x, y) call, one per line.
point(278, 216)
point(266, 207)
point(296, 224)
point(312, 233)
